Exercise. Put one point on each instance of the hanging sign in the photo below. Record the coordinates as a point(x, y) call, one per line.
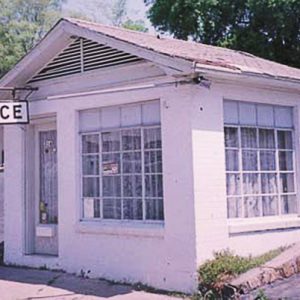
point(14, 112)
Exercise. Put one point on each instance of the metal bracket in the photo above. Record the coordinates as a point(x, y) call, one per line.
point(13, 90)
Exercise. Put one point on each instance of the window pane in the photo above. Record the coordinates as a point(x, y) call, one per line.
point(287, 183)
point(231, 137)
point(154, 209)
point(132, 209)
point(285, 139)
point(152, 138)
point(90, 165)
point(90, 143)
point(283, 116)
point(289, 204)
point(111, 164)
point(131, 115)
point(131, 139)
point(151, 113)
point(266, 138)
point(132, 162)
point(110, 141)
point(234, 207)
point(89, 120)
point(249, 159)
point(248, 138)
point(270, 205)
point(265, 115)
point(231, 115)
point(111, 186)
point(112, 208)
point(111, 117)
point(153, 161)
point(232, 160)
point(91, 208)
point(285, 160)
point(267, 160)
point(269, 183)
point(247, 113)
point(90, 187)
point(132, 186)
point(233, 185)
point(250, 184)
point(252, 207)
point(153, 186)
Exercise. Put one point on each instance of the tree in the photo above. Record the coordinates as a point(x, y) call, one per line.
point(22, 24)
point(267, 28)
point(138, 25)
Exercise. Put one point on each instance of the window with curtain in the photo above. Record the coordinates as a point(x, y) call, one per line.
point(122, 163)
point(260, 160)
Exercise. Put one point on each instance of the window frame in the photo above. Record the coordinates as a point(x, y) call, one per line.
point(259, 172)
point(100, 176)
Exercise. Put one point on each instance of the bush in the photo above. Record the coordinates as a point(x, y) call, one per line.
point(226, 265)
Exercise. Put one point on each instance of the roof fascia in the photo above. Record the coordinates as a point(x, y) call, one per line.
point(174, 64)
point(259, 81)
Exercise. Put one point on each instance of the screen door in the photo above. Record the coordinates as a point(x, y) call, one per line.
point(46, 229)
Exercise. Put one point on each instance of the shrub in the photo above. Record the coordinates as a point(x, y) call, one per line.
point(226, 265)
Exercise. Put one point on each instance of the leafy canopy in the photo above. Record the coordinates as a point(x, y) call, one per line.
point(22, 24)
point(267, 28)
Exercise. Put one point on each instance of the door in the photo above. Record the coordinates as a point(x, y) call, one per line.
point(46, 239)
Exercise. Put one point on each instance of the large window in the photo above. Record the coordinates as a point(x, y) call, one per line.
point(260, 160)
point(122, 165)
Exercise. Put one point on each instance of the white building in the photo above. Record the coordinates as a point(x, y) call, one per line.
point(125, 171)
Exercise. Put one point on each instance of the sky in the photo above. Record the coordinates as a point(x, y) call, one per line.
point(136, 9)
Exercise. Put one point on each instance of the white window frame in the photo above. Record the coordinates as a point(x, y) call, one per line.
point(100, 176)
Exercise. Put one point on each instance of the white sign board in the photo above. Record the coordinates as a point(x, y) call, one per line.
point(14, 112)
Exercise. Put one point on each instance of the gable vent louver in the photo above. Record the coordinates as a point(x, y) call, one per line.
point(83, 55)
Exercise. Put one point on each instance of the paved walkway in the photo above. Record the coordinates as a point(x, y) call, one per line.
point(21, 284)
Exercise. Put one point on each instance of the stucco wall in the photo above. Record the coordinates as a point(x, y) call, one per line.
point(160, 256)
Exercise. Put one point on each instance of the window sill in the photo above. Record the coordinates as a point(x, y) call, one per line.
point(151, 230)
point(262, 224)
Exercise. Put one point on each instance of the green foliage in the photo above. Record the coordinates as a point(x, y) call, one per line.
point(22, 24)
point(261, 296)
point(267, 28)
point(138, 25)
point(227, 265)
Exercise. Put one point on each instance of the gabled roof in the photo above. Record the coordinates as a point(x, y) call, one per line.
point(178, 55)
point(207, 55)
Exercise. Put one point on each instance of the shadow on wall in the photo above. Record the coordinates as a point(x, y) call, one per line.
point(1, 252)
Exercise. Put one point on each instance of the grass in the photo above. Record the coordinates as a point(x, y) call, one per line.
point(226, 265)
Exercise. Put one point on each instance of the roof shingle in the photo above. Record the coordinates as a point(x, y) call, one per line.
point(200, 53)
